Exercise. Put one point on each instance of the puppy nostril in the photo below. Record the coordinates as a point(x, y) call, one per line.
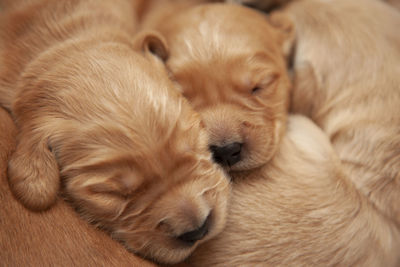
point(227, 155)
point(192, 236)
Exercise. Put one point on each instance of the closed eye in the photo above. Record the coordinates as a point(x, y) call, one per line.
point(265, 83)
point(255, 89)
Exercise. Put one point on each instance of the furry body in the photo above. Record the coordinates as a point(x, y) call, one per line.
point(97, 109)
point(301, 210)
point(356, 104)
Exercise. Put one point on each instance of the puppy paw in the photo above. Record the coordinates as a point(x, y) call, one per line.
point(310, 139)
point(34, 176)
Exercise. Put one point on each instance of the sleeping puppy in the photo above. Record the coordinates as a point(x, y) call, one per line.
point(236, 78)
point(265, 5)
point(301, 210)
point(270, 5)
point(356, 104)
point(132, 154)
point(54, 238)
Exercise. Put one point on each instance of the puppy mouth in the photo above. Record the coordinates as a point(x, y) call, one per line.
point(191, 237)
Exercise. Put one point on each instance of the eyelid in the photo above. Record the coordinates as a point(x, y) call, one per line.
point(265, 82)
point(269, 79)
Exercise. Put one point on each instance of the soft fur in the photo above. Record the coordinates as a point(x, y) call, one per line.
point(270, 5)
point(347, 80)
point(132, 154)
point(235, 77)
point(57, 237)
point(327, 199)
point(301, 210)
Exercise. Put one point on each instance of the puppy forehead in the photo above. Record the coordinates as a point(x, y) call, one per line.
point(225, 75)
point(218, 25)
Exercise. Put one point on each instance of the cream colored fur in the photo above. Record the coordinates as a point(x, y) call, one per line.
point(301, 210)
point(309, 206)
point(347, 64)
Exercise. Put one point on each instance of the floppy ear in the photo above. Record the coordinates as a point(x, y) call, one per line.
point(33, 172)
point(286, 30)
point(152, 43)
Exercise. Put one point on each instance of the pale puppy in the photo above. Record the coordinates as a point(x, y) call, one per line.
point(347, 80)
point(301, 210)
point(270, 5)
point(131, 153)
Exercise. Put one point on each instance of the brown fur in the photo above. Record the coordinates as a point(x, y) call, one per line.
point(301, 210)
point(357, 103)
point(218, 62)
point(57, 237)
point(132, 154)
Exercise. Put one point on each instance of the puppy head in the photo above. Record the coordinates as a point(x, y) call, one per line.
point(229, 61)
point(133, 155)
point(265, 5)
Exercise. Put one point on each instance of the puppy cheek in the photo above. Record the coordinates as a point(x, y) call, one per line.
point(218, 200)
point(258, 143)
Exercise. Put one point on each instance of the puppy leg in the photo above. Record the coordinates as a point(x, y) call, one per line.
point(304, 89)
point(33, 172)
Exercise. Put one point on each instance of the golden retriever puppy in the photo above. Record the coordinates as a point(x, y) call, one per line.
point(54, 238)
point(235, 77)
point(347, 64)
point(301, 210)
point(270, 5)
point(132, 154)
point(265, 5)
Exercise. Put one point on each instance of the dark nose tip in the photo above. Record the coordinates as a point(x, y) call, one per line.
point(227, 155)
point(192, 236)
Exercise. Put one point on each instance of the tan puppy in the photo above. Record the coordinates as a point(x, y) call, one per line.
point(54, 238)
point(234, 77)
point(265, 5)
point(269, 5)
point(132, 154)
point(301, 210)
point(310, 207)
point(356, 104)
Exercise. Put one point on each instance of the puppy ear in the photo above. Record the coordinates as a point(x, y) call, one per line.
point(286, 30)
point(33, 172)
point(152, 43)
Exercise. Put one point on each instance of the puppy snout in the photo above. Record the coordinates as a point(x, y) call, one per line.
point(197, 234)
point(227, 155)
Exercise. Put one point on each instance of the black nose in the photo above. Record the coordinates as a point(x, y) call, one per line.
point(192, 236)
point(227, 155)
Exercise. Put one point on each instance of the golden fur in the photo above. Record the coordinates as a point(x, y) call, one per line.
point(234, 77)
point(57, 237)
point(270, 5)
point(132, 154)
point(327, 199)
point(357, 103)
point(301, 210)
